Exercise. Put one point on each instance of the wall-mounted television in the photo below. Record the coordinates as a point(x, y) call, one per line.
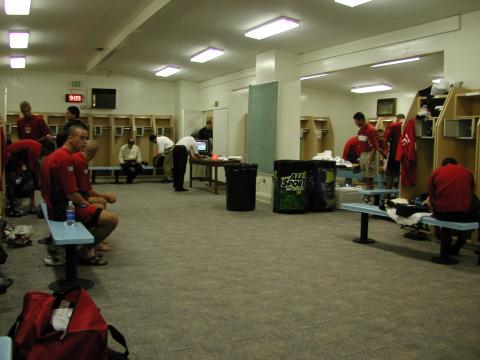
point(104, 98)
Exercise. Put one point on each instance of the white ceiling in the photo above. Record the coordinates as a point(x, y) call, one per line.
point(402, 77)
point(145, 35)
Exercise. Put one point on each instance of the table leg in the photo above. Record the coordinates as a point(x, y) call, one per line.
point(215, 184)
point(116, 173)
point(363, 239)
point(94, 175)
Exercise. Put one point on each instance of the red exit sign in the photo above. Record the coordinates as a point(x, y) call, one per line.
point(74, 98)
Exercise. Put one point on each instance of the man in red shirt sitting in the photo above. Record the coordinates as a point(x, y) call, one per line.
point(80, 163)
point(23, 159)
point(59, 186)
point(31, 126)
point(367, 136)
point(452, 198)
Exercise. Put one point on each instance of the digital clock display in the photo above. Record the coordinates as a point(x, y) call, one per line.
point(74, 98)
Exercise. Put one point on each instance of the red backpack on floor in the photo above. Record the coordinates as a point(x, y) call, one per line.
point(86, 335)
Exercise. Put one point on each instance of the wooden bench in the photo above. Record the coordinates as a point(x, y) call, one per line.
point(365, 210)
point(6, 348)
point(69, 236)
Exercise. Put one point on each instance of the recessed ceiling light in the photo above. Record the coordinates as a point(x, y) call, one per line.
point(313, 76)
point(396, 62)
point(17, 62)
point(371, 88)
point(437, 81)
point(17, 7)
point(352, 3)
point(273, 27)
point(167, 71)
point(18, 39)
point(207, 55)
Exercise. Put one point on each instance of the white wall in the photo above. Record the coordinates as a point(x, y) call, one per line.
point(46, 92)
point(368, 103)
point(338, 107)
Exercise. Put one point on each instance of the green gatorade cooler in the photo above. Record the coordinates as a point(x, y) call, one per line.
point(289, 180)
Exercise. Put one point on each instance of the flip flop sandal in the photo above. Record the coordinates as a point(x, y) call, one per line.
point(19, 242)
point(92, 261)
point(54, 261)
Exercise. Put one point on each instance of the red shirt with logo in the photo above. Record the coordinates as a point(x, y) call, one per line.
point(32, 148)
point(33, 128)
point(82, 174)
point(367, 137)
point(58, 180)
point(451, 188)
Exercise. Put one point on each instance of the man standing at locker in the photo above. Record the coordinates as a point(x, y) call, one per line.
point(369, 152)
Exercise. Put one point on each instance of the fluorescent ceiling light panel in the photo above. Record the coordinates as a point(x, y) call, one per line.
point(371, 88)
point(396, 62)
point(167, 71)
point(352, 3)
point(207, 55)
point(17, 7)
point(313, 76)
point(18, 39)
point(273, 27)
point(437, 81)
point(17, 62)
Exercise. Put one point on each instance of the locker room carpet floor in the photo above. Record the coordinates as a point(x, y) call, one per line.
point(189, 280)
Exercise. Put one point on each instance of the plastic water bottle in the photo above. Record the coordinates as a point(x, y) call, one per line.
point(70, 213)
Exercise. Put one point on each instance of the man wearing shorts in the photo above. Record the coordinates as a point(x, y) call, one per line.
point(82, 175)
point(368, 147)
point(59, 186)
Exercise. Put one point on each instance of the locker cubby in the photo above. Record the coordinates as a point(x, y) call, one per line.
point(55, 119)
point(425, 129)
point(467, 104)
point(316, 136)
point(461, 128)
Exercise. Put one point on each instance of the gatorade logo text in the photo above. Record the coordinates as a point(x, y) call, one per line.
point(294, 182)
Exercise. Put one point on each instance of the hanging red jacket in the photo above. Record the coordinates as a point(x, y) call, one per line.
point(406, 154)
point(3, 151)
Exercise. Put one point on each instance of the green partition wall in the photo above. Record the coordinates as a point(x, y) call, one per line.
point(262, 125)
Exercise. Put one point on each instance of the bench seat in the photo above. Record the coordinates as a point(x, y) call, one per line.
point(6, 348)
point(114, 170)
point(366, 209)
point(69, 236)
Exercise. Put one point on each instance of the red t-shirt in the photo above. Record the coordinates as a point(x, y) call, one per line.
point(82, 175)
point(33, 128)
point(58, 180)
point(367, 136)
point(32, 147)
point(451, 187)
point(352, 150)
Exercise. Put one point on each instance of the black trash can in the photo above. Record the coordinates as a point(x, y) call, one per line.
point(321, 185)
point(241, 186)
point(289, 179)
